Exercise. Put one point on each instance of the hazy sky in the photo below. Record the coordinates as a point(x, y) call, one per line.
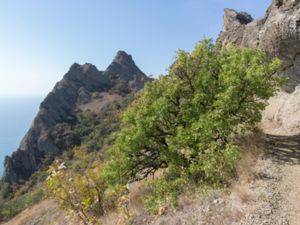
point(40, 39)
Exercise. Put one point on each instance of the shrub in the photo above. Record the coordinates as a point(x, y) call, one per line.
point(184, 124)
point(85, 194)
point(187, 120)
point(163, 194)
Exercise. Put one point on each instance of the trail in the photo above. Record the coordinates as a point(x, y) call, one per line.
point(276, 189)
point(270, 197)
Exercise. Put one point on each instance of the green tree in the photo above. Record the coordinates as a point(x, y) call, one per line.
point(187, 120)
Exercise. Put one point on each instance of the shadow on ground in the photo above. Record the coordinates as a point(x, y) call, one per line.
point(284, 149)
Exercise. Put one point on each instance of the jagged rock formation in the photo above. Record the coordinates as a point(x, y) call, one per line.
point(278, 33)
point(74, 91)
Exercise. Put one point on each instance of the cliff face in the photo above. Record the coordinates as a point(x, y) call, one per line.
point(278, 33)
point(72, 92)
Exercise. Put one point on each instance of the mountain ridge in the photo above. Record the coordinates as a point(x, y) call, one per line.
point(59, 106)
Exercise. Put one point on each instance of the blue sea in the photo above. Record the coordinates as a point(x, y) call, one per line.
point(16, 116)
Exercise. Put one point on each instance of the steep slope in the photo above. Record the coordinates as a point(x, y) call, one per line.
point(272, 194)
point(278, 34)
point(74, 92)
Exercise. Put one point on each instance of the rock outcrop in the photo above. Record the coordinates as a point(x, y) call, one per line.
point(278, 33)
point(73, 91)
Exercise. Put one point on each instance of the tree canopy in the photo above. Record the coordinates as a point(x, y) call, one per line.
point(187, 119)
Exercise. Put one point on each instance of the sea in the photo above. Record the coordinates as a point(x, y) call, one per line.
point(16, 116)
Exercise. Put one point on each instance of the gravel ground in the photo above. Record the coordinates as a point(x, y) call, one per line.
point(272, 197)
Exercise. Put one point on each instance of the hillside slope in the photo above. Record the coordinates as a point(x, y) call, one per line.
point(269, 192)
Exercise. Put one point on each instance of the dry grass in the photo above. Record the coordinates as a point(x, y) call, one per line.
point(252, 147)
point(241, 192)
point(135, 206)
point(112, 218)
point(137, 191)
point(211, 206)
point(199, 204)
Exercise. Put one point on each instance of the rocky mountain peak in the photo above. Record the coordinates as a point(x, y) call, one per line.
point(88, 67)
point(123, 58)
point(122, 77)
point(124, 68)
point(77, 68)
point(233, 18)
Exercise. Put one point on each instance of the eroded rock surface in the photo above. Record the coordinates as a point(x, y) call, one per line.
point(278, 33)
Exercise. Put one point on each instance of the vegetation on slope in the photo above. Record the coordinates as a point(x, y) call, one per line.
point(180, 130)
point(83, 144)
point(182, 125)
point(15, 199)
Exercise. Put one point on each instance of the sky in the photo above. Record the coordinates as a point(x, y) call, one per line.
point(40, 40)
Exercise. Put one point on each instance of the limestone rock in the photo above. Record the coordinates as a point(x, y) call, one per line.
point(278, 34)
point(234, 19)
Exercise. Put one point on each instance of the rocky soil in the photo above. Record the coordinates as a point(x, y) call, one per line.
point(276, 189)
point(270, 197)
point(267, 193)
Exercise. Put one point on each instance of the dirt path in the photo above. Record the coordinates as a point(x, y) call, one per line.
point(276, 189)
point(285, 152)
point(270, 197)
point(291, 187)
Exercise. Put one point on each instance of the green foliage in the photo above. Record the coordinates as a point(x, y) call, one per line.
point(94, 130)
point(11, 207)
point(39, 177)
point(121, 87)
point(188, 119)
point(163, 193)
point(183, 124)
point(76, 193)
point(64, 137)
point(16, 198)
point(79, 186)
point(216, 166)
point(86, 193)
point(5, 191)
